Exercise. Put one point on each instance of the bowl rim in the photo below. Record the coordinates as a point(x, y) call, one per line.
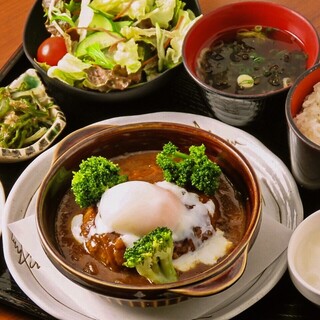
point(252, 4)
point(291, 123)
point(226, 262)
point(292, 251)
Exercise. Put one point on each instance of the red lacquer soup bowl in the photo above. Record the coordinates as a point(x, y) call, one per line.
point(242, 107)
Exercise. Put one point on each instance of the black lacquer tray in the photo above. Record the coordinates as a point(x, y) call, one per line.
point(181, 94)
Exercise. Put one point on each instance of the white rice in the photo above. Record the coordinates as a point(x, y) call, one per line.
point(308, 120)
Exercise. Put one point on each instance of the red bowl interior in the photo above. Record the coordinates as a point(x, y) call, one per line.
point(249, 13)
point(302, 88)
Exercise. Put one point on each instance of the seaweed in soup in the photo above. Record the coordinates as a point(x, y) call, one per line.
point(252, 60)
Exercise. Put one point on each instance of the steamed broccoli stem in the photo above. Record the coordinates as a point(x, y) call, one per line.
point(151, 255)
point(194, 169)
point(96, 174)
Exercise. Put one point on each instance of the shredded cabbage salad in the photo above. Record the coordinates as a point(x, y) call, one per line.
point(116, 44)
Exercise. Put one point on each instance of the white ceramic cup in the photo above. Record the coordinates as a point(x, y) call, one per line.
point(304, 257)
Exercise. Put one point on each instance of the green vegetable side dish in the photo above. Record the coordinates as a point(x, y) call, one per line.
point(113, 45)
point(194, 169)
point(151, 255)
point(25, 112)
point(95, 175)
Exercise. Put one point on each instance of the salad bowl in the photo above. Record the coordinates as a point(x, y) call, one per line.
point(97, 140)
point(35, 33)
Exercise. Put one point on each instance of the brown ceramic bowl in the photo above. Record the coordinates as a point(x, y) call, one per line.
point(113, 141)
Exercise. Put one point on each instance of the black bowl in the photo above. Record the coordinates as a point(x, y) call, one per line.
point(35, 33)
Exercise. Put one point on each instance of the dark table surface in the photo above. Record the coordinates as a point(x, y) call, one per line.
point(180, 95)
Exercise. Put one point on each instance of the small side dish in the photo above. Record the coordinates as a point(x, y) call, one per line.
point(29, 119)
point(304, 258)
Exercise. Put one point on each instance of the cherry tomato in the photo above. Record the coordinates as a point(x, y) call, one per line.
point(51, 50)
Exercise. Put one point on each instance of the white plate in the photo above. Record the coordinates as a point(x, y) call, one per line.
point(281, 201)
point(2, 201)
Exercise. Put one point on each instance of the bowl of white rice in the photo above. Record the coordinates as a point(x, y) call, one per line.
point(303, 118)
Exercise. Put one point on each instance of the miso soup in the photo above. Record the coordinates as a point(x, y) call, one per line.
point(252, 60)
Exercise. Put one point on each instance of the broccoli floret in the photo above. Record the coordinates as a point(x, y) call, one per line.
point(193, 169)
point(151, 255)
point(95, 175)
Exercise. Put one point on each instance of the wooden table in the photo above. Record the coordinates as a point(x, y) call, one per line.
point(12, 18)
point(13, 15)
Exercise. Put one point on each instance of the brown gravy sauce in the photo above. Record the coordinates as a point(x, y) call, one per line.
point(229, 217)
